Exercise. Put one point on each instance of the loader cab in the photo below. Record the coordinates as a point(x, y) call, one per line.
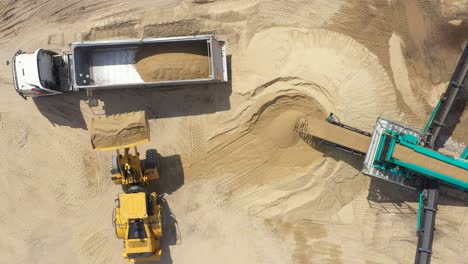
point(138, 245)
point(138, 223)
point(34, 73)
point(136, 229)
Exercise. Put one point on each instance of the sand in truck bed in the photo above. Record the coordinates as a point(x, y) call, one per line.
point(173, 61)
point(117, 131)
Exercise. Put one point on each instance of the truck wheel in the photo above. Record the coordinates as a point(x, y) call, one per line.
point(151, 161)
point(115, 169)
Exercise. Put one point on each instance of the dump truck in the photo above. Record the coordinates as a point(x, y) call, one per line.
point(130, 63)
point(137, 221)
point(125, 131)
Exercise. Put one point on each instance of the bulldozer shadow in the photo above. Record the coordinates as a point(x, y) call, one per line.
point(171, 178)
point(171, 233)
point(171, 175)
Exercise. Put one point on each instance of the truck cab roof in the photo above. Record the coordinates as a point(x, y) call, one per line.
point(26, 68)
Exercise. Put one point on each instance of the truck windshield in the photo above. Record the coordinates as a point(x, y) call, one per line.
point(137, 229)
point(47, 71)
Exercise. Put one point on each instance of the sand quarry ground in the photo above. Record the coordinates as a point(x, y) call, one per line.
point(242, 187)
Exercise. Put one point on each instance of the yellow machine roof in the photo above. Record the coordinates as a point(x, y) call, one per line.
point(119, 131)
point(133, 205)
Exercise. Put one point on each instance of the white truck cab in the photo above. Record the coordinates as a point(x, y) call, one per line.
point(34, 73)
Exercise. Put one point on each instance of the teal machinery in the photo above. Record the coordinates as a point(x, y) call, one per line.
point(381, 162)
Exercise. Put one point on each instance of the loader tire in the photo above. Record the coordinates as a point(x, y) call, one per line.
point(152, 158)
point(115, 169)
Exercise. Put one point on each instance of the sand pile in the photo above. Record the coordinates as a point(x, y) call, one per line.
point(173, 61)
point(454, 9)
point(281, 128)
point(119, 131)
point(352, 83)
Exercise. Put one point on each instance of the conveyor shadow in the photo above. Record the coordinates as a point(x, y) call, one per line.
point(385, 196)
point(336, 154)
point(458, 108)
point(158, 102)
point(388, 197)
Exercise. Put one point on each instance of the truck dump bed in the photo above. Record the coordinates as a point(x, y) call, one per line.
point(162, 61)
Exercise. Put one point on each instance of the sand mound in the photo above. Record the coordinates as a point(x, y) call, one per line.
point(454, 9)
point(119, 131)
point(340, 73)
point(274, 119)
point(281, 128)
point(173, 61)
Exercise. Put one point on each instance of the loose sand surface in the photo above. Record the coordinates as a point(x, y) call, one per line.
point(241, 186)
point(173, 61)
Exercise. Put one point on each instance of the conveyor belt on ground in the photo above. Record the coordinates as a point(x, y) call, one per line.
point(344, 137)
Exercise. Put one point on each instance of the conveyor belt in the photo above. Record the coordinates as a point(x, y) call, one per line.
point(426, 234)
point(440, 113)
point(338, 135)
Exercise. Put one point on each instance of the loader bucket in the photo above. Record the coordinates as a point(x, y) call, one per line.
point(119, 131)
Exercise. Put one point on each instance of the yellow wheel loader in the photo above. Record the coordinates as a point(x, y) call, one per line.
point(125, 131)
point(137, 220)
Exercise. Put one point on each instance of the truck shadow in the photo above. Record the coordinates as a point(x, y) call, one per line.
point(62, 110)
point(159, 102)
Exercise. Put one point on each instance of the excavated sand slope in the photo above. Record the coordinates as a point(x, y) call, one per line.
point(234, 173)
